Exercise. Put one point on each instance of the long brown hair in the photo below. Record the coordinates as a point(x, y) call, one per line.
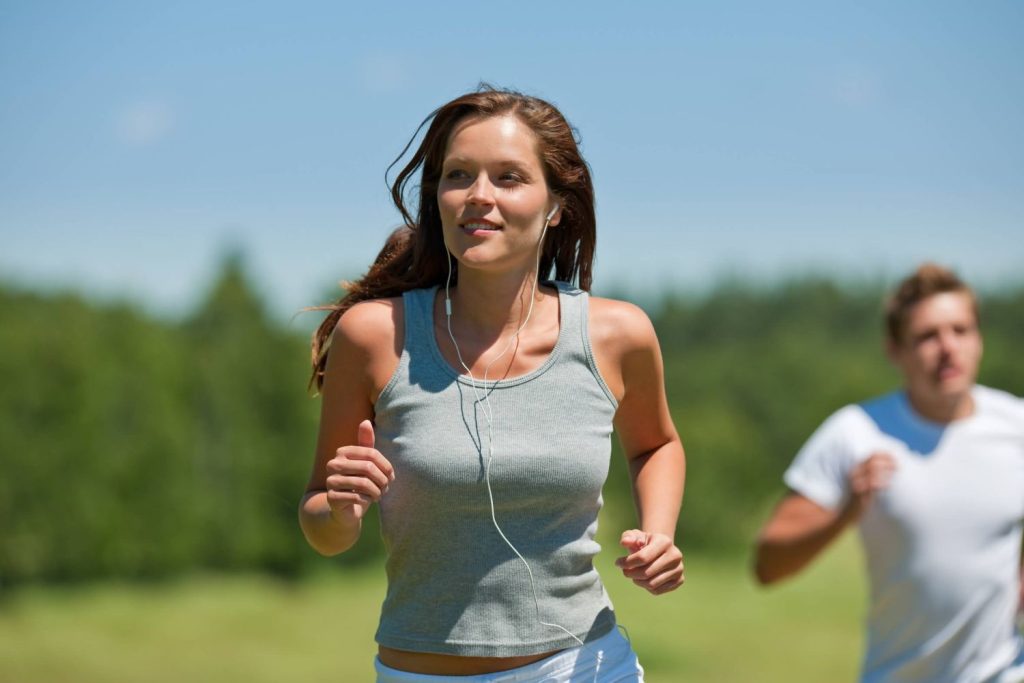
point(415, 256)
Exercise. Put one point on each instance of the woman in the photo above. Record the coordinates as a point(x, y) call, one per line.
point(474, 401)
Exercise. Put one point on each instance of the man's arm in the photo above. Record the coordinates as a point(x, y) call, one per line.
point(799, 529)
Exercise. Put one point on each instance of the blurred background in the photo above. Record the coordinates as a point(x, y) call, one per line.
point(178, 180)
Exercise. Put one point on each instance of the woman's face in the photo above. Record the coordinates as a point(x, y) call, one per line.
point(493, 197)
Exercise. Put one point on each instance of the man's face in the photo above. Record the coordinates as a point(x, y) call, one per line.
point(940, 348)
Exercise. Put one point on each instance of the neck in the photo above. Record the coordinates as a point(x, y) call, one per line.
point(942, 409)
point(493, 304)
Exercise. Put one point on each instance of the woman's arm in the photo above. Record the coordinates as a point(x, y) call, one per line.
point(627, 353)
point(349, 474)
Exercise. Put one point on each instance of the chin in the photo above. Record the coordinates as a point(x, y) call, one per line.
point(954, 387)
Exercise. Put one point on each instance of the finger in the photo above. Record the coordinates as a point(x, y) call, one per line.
point(370, 468)
point(346, 455)
point(364, 434)
point(883, 457)
point(665, 562)
point(880, 463)
point(360, 485)
point(366, 438)
point(655, 548)
point(872, 474)
point(664, 581)
point(633, 540)
point(879, 480)
point(341, 499)
point(861, 486)
point(881, 467)
point(659, 565)
point(669, 586)
point(879, 475)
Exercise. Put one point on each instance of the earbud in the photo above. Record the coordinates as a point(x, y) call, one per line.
point(483, 398)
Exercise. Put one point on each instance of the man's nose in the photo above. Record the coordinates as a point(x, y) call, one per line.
point(948, 341)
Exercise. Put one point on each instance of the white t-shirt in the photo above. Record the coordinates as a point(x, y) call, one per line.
point(942, 543)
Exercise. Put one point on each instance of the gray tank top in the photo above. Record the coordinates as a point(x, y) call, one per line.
point(454, 586)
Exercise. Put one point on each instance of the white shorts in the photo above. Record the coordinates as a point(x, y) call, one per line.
point(609, 659)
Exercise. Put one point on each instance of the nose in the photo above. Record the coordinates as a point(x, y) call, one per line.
point(481, 191)
point(948, 341)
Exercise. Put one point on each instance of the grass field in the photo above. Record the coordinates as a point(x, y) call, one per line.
point(718, 628)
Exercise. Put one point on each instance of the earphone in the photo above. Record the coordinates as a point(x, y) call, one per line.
point(485, 402)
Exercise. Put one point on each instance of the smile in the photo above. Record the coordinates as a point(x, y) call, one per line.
point(478, 225)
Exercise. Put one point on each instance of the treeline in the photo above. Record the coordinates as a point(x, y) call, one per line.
point(135, 447)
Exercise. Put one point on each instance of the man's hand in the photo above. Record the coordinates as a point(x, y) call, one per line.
point(868, 478)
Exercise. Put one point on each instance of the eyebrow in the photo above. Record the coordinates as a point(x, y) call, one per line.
point(501, 162)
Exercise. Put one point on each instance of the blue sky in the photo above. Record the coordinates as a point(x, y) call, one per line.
point(138, 141)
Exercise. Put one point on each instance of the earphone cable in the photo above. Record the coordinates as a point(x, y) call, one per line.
point(485, 403)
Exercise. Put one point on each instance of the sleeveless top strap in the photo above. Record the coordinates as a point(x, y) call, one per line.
point(419, 319)
point(575, 334)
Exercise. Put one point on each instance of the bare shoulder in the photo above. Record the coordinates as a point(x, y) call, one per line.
point(624, 344)
point(369, 324)
point(619, 327)
point(367, 343)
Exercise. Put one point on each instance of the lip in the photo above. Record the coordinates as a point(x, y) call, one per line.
point(469, 226)
point(949, 372)
point(482, 221)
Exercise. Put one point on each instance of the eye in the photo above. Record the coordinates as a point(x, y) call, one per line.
point(456, 174)
point(513, 176)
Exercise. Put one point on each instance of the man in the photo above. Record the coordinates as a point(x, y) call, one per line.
point(933, 475)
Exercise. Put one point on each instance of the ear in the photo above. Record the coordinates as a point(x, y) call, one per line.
point(555, 212)
point(892, 350)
